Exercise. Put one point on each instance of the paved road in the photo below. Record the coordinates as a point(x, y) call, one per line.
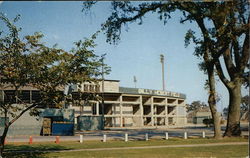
point(141, 147)
point(118, 134)
point(114, 135)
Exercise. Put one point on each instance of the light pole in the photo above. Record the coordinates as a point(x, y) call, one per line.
point(102, 60)
point(162, 64)
point(135, 80)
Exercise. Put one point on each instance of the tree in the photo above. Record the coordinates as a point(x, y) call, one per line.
point(224, 27)
point(195, 105)
point(244, 104)
point(225, 112)
point(125, 12)
point(28, 62)
point(203, 50)
point(243, 108)
point(233, 44)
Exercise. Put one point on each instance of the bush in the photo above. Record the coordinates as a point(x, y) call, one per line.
point(208, 122)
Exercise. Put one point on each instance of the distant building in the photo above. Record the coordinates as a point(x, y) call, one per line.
point(123, 107)
point(199, 115)
point(134, 107)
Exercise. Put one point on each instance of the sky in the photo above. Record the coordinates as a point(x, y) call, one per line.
point(136, 54)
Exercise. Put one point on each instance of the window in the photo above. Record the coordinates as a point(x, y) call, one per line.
point(86, 88)
point(91, 88)
point(97, 88)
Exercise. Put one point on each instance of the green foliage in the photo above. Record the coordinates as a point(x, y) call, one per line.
point(29, 62)
point(195, 106)
point(221, 23)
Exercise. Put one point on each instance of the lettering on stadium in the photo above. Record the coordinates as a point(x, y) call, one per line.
point(158, 92)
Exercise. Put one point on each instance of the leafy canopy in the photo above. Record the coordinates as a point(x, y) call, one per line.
point(28, 62)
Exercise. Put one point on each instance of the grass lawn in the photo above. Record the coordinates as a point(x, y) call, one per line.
point(188, 152)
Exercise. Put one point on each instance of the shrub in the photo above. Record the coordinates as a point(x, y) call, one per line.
point(208, 122)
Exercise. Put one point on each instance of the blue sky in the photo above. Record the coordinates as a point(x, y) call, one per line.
point(137, 54)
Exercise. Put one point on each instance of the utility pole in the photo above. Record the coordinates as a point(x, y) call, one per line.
point(162, 64)
point(102, 59)
point(135, 80)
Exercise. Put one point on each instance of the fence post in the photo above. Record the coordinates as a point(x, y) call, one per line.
point(81, 138)
point(185, 135)
point(57, 139)
point(30, 140)
point(203, 134)
point(104, 138)
point(166, 135)
point(146, 136)
point(126, 137)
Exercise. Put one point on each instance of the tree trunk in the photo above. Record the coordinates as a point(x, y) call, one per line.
point(212, 104)
point(2, 140)
point(217, 127)
point(233, 120)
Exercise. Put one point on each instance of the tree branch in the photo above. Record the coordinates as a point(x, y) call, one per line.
point(141, 13)
point(236, 52)
point(5, 117)
point(17, 117)
point(221, 74)
point(3, 106)
point(229, 63)
point(216, 54)
point(245, 54)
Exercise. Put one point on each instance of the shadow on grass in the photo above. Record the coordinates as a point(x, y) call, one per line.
point(30, 151)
